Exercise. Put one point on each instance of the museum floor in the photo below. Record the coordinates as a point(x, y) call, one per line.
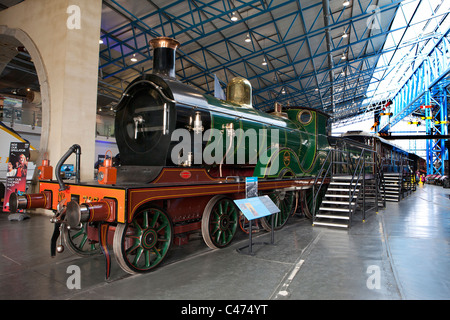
point(403, 252)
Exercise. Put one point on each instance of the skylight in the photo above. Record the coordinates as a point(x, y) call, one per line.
point(406, 47)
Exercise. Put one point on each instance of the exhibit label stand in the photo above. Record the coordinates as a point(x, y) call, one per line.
point(255, 208)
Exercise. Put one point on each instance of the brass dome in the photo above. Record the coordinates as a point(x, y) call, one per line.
point(239, 91)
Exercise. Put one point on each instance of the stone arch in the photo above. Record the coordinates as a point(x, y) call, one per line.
point(39, 65)
point(66, 60)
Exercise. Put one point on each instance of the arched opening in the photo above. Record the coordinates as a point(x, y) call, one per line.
point(23, 77)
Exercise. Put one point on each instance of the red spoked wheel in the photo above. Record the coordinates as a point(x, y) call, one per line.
point(244, 224)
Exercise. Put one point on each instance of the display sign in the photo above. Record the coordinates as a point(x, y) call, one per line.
point(257, 207)
point(251, 187)
point(270, 205)
point(16, 175)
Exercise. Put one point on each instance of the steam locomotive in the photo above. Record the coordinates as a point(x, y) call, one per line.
point(184, 157)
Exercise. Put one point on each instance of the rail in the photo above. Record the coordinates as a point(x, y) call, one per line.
point(353, 189)
point(320, 176)
point(381, 184)
point(73, 149)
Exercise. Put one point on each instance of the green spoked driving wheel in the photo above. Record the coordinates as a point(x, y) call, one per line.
point(219, 222)
point(286, 201)
point(142, 244)
point(78, 241)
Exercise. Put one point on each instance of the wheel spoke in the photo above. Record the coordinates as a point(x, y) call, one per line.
point(137, 226)
point(217, 215)
point(226, 206)
point(161, 227)
point(145, 220)
point(156, 253)
point(133, 247)
point(79, 233)
point(155, 219)
point(83, 241)
point(147, 258)
point(138, 255)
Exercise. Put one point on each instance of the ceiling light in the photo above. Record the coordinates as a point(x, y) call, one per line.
point(343, 56)
point(264, 62)
point(234, 17)
point(346, 3)
point(283, 91)
point(134, 59)
point(344, 35)
point(247, 38)
point(100, 41)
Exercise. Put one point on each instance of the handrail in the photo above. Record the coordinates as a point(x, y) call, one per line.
point(352, 192)
point(73, 149)
point(319, 174)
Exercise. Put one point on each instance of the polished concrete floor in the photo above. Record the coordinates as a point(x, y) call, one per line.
point(401, 253)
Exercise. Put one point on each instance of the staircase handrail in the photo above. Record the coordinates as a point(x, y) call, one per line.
point(320, 175)
point(352, 191)
point(380, 180)
point(359, 175)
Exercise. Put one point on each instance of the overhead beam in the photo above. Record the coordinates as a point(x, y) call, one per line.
point(417, 137)
point(434, 68)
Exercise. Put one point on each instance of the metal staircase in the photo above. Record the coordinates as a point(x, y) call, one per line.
point(393, 182)
point(399, 184)
point(339, 202)
point(356, 184)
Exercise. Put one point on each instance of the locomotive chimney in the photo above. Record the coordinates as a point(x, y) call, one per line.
point(164, 50)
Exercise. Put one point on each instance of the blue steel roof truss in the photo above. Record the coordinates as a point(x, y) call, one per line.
point(289, 35)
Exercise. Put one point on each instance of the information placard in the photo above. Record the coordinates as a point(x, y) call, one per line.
point(256, 207)
point(270, 205)
point(251, 187)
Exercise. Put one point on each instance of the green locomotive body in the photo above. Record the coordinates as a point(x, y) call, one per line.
point(183, 159)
